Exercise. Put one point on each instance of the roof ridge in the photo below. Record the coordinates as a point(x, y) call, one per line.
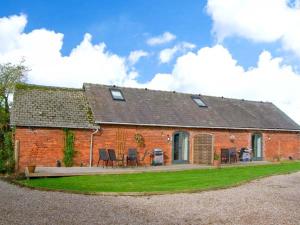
point(177, 92)
point(26, 86)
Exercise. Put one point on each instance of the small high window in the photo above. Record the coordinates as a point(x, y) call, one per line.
point(117, 94)
point(198, 101)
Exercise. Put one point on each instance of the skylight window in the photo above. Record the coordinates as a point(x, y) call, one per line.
point(198, 101)
point(117, 94)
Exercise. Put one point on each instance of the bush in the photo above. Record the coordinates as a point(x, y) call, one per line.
point(7, 162)
point(69, 151)
point(216, 156)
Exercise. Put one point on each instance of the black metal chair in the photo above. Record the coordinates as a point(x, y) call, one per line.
point(224, 155)
point(132, 156)
point(113, 158)
point(103, 156)
point(233, 155)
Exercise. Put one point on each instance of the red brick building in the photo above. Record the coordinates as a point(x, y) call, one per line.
point(187, 127)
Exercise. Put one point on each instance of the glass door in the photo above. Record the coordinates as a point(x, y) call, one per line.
point(180, 147)
point(257, 147)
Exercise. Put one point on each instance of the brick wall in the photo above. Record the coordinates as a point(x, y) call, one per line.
point(50, 142)
point(281, 144)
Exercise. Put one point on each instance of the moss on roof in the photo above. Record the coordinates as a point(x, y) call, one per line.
point(24, 86)
point(46, 106)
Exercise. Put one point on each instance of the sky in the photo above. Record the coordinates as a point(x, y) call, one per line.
point(244, 49)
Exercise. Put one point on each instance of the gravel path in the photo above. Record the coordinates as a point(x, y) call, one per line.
point(273, 200)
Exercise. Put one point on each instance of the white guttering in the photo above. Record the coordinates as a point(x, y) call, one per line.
point(227, 128)
point(91, 146)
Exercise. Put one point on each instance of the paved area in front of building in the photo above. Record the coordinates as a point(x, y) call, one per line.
point(75, 171)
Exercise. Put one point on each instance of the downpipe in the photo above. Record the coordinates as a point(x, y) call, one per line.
point(91, 146)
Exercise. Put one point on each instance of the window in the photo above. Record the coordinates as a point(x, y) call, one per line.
point(117, 94)
point(198, 101)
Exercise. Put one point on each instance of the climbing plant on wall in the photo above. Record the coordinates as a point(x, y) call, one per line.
point(139, 139)
point(69, 151)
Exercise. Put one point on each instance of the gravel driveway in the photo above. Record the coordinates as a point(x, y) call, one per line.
point(273, 200)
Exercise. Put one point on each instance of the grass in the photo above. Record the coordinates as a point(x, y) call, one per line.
point(160, 182)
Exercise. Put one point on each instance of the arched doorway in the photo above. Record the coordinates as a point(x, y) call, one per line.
point(180, 153)
point(203, 149)
point(257, 143)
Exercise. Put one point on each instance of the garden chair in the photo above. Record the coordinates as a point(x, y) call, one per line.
point(233, 155)
point(113, 158)
point(132, 156)
point(103, 156)
point(224, 155)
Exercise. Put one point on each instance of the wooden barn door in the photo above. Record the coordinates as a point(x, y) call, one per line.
point(203, 149)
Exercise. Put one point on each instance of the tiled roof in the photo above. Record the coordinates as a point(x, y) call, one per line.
point(163, 108)
point(41, 106)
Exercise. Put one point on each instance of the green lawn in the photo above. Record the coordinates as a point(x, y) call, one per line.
point(182, 181)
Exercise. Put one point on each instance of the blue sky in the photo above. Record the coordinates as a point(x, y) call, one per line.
point(122, 25)
point(242, 49)
point(125, 25)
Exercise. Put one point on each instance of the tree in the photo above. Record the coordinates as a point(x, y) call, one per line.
point(7, 162)
point(10, 75)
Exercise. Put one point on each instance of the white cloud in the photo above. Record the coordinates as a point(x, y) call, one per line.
point(260, 21)
point(10, 28)
point(135, 56)
point(161, 39)
point(213, 71)
point(166, 55)
point(41, 49)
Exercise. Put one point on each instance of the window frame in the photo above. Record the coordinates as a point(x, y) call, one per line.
point(199, 98)
point(116, 90)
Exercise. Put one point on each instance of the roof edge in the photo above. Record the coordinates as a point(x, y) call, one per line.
point(25, 86)
point(174, 92)
point(69, 127)
point(183, 126)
